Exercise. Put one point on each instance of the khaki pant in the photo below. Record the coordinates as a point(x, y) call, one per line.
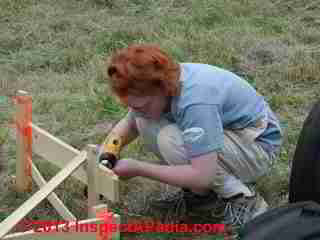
point(242, 160)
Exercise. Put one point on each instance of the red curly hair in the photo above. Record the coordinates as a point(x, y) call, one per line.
point(143, 69)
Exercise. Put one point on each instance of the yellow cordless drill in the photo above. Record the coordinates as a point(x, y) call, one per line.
point(110, 151)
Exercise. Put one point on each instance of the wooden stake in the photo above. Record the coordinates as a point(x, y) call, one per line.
point(92, 172)
point(114, 235)
point(24, 142)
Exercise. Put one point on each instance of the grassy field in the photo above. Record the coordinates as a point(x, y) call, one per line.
point(54, 50)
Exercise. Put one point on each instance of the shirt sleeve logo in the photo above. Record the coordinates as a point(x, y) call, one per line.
point(192, 135)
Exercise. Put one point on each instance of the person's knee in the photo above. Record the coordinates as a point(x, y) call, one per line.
point(163, 138)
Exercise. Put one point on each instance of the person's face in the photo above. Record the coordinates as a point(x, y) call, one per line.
point(150, 106)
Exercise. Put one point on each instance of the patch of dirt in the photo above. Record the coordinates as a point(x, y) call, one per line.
point(268, 52)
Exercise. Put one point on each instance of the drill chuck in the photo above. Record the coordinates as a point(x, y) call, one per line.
point(108, 159)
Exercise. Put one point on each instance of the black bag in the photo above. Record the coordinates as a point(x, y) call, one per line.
point(296, 221)
point(305, 172)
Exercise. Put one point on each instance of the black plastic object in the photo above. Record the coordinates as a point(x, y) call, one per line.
point(305, 173)
point(296, 221)
point(108, 159)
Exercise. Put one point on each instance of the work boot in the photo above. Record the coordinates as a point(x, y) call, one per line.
point(240, 209)
point(185, 200)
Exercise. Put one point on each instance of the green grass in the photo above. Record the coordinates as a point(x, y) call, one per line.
point(54, 50)
point(178, 236)
point(5, 115)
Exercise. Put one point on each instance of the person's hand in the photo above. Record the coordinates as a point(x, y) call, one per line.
point(127, 168)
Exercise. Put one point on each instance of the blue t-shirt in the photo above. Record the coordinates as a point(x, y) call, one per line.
point(213, 99)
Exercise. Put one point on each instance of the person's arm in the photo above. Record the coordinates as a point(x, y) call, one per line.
point(202, 133)
point(124, 132)
point(126, 129)
point(196, 176)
